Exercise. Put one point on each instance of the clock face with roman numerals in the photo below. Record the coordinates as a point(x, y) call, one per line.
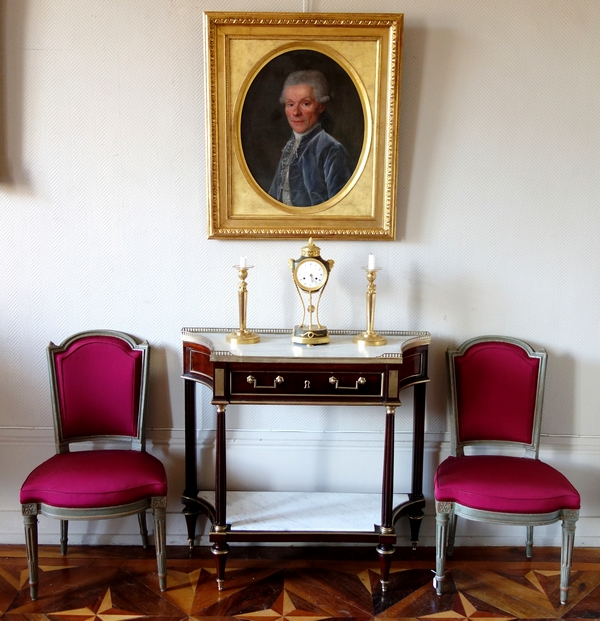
point(310, 275)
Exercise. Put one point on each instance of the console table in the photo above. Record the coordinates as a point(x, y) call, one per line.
point(275, 371)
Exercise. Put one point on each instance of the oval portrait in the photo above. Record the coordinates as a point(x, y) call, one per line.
point(302, 128)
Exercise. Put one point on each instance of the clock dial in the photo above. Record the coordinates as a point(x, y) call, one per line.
point(311, 275)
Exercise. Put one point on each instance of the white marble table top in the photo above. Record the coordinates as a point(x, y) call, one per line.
point(303, 511)
point(276, 345)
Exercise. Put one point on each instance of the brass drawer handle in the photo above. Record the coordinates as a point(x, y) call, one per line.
point(334, 380)
point(252, 380)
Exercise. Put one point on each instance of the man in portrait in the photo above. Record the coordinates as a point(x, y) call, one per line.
point(313, 166)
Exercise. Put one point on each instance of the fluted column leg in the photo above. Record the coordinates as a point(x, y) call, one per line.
point(566, 555)
point(529, 542)
point(159, 510)
point(143, 528)
point(31, 544)
point(442, 516)
point(64, 536)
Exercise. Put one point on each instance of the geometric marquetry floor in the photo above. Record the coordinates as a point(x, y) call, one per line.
point(295, 584)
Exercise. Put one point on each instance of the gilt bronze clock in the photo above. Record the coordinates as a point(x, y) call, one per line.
point(310, 274)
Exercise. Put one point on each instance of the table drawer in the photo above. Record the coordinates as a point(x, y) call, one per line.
point(341, 385)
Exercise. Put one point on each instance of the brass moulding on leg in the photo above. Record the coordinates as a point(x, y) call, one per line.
point(369, 336)
point(242, 336)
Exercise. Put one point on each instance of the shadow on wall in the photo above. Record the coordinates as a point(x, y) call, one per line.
point(421, 108)
point(559, 395)
point(436, 390)
point(160, 414)
point(438, 386)
point(3, 120)
point(12, 27)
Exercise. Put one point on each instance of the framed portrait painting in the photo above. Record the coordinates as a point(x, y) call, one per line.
point(303, 124)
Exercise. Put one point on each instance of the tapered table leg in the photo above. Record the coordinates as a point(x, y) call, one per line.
point(385, 549)
point(220, 547)
point(220, 551)
point(418, 455)
point(190, 494)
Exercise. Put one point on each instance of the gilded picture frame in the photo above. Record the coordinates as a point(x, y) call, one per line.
point(258, 185)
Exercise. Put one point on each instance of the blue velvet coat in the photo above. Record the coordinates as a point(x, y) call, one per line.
point(319, 170)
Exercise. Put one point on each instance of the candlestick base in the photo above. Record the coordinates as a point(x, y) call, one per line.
point(242, 337)
point(370, 338)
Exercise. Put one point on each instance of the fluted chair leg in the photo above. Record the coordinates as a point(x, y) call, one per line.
point(529, 542)
point(143, 528)
point(442, 516)
point(64, 536)
point(566, 553)
point(451, 533)
point(31, 545)
point(159, 506)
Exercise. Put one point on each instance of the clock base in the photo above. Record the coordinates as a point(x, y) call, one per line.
point(307, 335)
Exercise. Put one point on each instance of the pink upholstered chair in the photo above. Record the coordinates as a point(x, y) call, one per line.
point(98, 384)
point(496, 394)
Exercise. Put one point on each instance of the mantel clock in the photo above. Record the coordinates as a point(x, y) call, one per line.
point(310, 274)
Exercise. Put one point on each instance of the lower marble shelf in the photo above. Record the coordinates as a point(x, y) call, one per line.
point(303, 511)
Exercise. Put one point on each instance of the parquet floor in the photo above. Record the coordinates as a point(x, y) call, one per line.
point(296, 584)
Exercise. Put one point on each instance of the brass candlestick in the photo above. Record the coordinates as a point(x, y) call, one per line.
point(242, 336)
point(370, 337)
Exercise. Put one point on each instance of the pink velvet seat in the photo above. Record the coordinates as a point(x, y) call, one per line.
point(98, 384)
point(496, 395)
point(80, 480)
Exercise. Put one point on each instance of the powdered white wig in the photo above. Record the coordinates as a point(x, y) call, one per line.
point(313, 78)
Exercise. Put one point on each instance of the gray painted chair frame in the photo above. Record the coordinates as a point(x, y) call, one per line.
point(447, 512)
point(157, 505)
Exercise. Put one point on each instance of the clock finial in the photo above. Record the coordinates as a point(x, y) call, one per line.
point(310, 250)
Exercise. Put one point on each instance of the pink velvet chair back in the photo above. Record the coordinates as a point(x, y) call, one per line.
point(98, 385)
point(496, 388)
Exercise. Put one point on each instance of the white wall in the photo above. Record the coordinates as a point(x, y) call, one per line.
point(103, 224)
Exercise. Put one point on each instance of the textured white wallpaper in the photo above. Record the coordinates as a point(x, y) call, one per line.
point(103, 217)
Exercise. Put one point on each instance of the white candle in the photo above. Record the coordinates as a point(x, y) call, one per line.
point(371, 263)
point(242, 261)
